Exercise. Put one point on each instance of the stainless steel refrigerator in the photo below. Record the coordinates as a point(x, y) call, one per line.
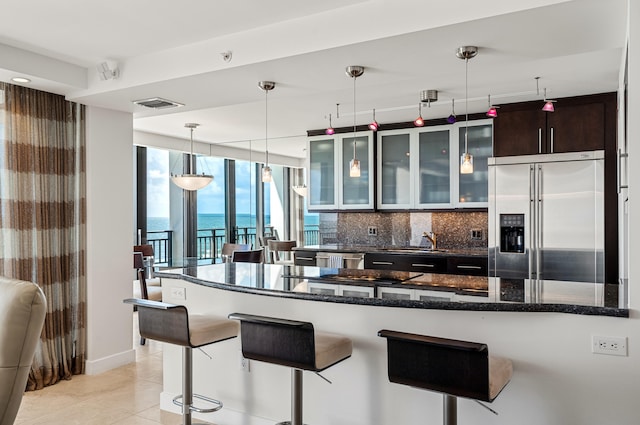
point(546, 217)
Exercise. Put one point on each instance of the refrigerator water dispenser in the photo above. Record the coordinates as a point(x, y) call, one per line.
point(512, 233)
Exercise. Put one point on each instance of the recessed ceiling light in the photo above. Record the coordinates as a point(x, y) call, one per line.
point(20, 80)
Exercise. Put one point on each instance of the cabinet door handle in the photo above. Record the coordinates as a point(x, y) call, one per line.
point(461, 266)
point(382, 263)
point(305, 258)
point(423, 265)
point(539, 140)
point(619, 184)
point(551, 139)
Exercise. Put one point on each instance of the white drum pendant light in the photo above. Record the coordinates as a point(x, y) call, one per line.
point(190, 181)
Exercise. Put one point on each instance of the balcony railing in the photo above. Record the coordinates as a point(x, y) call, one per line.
point(210, 241)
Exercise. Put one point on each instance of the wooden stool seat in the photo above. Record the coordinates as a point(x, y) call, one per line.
point(174, 325)
point(452, 367)
point(294, 344)
point(330, 349)
point(206, 329)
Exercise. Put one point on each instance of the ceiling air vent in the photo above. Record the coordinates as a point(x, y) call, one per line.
point(157, 103)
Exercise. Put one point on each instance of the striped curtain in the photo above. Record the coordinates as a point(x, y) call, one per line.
point(42, 219)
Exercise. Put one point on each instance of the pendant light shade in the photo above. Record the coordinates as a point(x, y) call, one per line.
point(373, 126)
point(354, 71)
point(330, 130)
point(492, 112)
point(451, 119)
point(266, 86)
point(466, 159)
point(419, 122)
point(190, 181)
point(548, 103)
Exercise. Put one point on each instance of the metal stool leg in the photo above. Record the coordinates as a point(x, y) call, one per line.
point(296, 399)
point(187, 384)
point(450, 410)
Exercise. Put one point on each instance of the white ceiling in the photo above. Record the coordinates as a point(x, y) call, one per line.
point(173, 50)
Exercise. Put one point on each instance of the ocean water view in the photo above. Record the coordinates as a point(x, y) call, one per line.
point(216, 221)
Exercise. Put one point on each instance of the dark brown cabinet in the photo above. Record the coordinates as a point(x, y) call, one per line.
point(304, 258)
point(578, 124)
point(406, 262)
point(474, 266)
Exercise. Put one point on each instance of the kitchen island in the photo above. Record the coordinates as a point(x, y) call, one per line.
point(550, 349)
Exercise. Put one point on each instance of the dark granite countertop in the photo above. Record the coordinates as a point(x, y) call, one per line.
point(348, 248)
point(425, 290)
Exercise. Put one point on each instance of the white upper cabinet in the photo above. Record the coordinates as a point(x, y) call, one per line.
point(418, 168)
point(331, 186)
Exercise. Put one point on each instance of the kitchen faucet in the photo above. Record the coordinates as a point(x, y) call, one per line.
point(432, 237)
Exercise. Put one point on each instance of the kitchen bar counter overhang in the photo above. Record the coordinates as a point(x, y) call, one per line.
point(442, 292)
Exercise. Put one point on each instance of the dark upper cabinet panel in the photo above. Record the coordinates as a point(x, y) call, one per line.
point(518, 132)
point(578, 124)
point(575, 128)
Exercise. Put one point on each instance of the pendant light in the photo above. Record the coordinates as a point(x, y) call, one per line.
point(451, 119)
point(548, 103)
point(492, 112)
point(191, 181)
point(330, 130)
point(466, 159)
point(419, 122)
point(354, 71)
point(266, 86)
point(373, 126)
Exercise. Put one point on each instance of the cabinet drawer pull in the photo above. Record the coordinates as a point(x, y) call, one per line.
point(305, 258)
point(382, 263)
point(469, 267)
point(422, 265)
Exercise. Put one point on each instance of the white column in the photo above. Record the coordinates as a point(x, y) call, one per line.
point(109, 170)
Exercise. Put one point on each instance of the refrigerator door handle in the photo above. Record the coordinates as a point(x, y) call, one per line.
point(532, 223)
point(539, 222)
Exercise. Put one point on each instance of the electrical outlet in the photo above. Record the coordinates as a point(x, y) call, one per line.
point(372, 231)
point(612, 345)
point(178, 293)
point(476, 234)
point(244, 363)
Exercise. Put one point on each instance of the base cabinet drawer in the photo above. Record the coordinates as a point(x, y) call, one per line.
point(406, 262)
point(304, 258)
point(474, 266)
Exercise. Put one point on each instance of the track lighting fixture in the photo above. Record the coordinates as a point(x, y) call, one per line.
point(330, 130)
point(492, 112)
point(373, 126)
point(419, 122)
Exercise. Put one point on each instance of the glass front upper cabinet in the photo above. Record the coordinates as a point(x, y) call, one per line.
point(418, 168)
point(322, 173)
point(473, 188)
point(395, 184)
point(331, 186)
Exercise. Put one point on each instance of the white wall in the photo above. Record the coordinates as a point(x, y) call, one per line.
point(557, 380)
point(634, 154)
point(109, 168)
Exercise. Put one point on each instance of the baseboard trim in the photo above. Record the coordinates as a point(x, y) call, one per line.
point(95, 367)
point(225, 416)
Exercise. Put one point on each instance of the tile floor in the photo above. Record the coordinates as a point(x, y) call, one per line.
point(128, 395)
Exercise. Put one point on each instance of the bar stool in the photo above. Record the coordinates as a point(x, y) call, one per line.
point(174, 325)
point(452, 367)
point(293, 344)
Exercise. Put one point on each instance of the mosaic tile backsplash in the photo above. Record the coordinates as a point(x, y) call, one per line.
point(454, 230)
